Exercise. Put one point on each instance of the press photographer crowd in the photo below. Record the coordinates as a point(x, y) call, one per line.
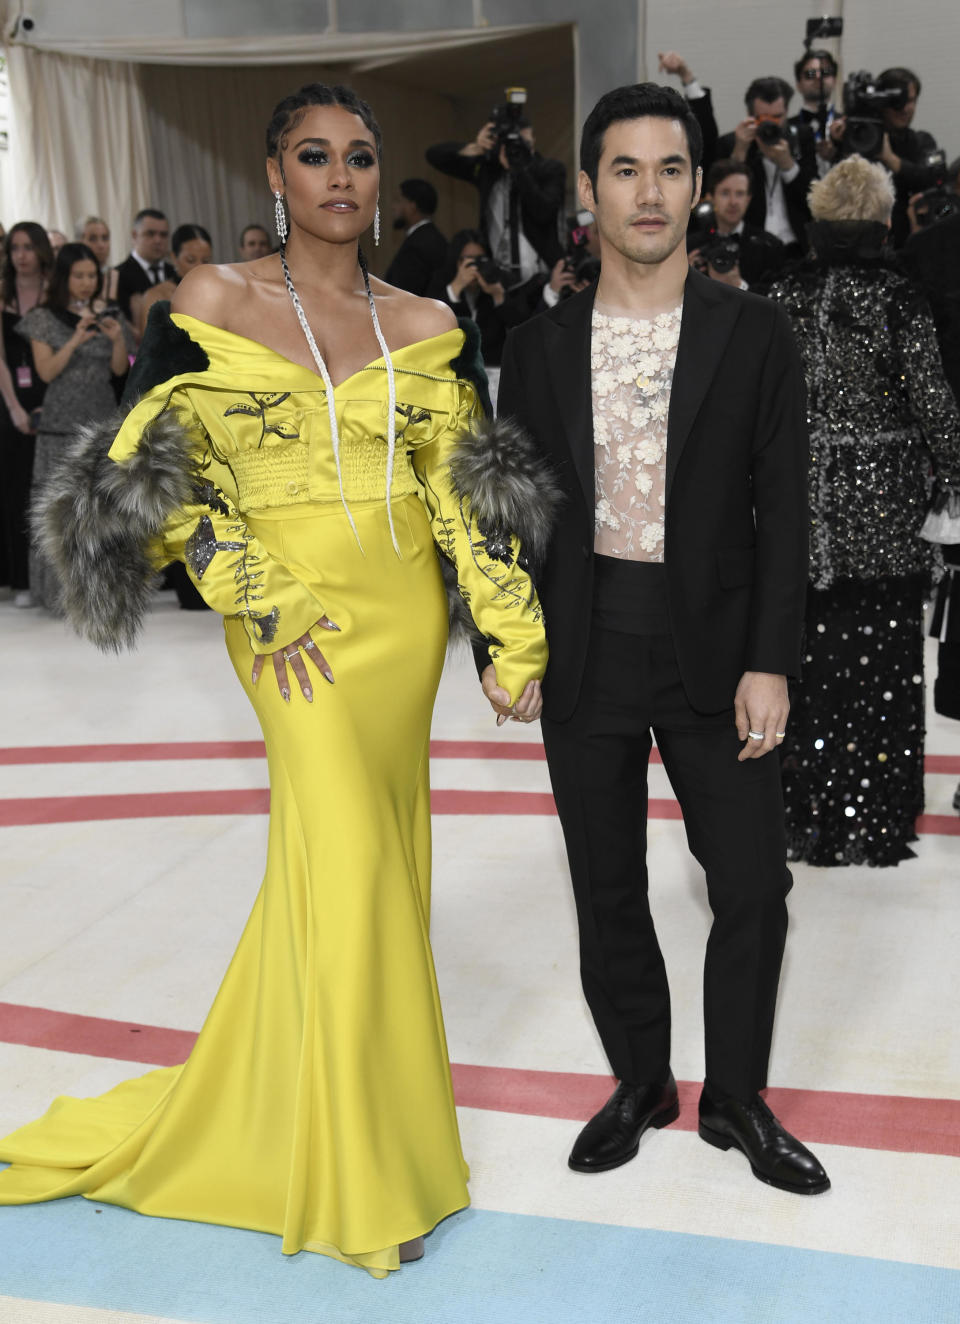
point(825, 197)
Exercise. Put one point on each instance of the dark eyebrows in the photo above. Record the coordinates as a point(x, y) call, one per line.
point(676, 158)
point(325, 142)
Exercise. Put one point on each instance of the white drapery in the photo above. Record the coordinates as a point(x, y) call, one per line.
point(78, 140)
point(179, 124)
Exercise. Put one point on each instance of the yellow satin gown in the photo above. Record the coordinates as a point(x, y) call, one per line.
point(317, 1103)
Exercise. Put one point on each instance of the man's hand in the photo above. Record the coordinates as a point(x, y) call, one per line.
point(561, 277)
point(912, 213)
point(485, 141)
point(526, 709)
point(779, 153)
point(672, 63)
point(889, 157)
point(761, 708)
point(743, 135)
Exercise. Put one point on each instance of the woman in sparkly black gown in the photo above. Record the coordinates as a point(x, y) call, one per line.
point(880, 414)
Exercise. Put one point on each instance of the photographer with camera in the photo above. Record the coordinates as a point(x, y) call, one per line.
point(721, 242)
point(781, 158)
point(472, 284)
point(521, 192)
point(815, 76)
point(878, 113)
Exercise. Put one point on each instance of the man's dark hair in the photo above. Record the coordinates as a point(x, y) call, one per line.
point(721, 170)
point(253, 226)
point(767, 89)
point(288, 113)
point(58, 290)
point(150, 212)
point(421, 193)
point(898, 77)
point(825, 58)
point(184, 233)
point(636, 101)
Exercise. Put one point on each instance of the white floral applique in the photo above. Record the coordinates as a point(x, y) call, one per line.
point(632, 366)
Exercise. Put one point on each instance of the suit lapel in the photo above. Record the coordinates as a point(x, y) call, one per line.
point(705, 327)
point(567, 338)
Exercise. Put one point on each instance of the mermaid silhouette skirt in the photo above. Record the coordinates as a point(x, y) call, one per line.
point(317, 1102)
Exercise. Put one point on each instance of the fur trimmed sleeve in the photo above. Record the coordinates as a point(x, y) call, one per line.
point(492, 502)
point(108, 522)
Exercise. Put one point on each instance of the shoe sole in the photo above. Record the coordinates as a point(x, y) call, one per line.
point(658, 1120)
point(727, 1142)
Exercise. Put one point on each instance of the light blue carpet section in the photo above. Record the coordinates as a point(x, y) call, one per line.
point(480, 1268)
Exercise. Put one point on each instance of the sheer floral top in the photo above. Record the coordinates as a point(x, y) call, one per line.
point(632, 364)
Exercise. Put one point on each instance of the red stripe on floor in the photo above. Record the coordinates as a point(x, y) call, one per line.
point(36, 810)
point(253, 749)
point(864, 1121)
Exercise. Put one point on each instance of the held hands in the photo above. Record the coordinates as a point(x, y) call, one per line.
point(760, 708)
point(526, 709)
point(292, 655)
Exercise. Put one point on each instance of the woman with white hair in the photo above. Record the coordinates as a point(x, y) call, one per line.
point(880, 413)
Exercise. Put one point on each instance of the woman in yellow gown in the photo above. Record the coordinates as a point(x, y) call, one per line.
point(317, 1102)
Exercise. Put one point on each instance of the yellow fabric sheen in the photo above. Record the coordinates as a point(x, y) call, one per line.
point(317, 1103)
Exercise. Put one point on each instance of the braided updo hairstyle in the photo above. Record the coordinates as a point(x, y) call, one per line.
point(290, 111)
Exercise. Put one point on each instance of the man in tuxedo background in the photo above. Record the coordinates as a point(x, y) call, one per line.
point(146, 265)
point(424, 249)
point(673, 593)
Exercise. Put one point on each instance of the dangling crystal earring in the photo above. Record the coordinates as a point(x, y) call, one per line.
point(281, 217)
point(376, 226)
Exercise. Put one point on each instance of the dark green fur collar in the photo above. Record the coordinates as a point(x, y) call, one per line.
point(166, 351)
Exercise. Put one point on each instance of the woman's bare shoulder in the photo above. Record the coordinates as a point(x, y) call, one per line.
point(213, 292)
point(412, 317)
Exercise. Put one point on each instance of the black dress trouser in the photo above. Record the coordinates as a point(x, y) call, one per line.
point(733, 815)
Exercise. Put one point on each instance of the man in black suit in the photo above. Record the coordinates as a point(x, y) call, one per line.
point(728, 188)
point(145, 266)
point(521, 198)
point(782, 160)
point(424, 249)
point(674, 595)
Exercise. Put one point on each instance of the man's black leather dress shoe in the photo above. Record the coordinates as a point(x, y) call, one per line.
point(775, 1156)
point(612, 1136)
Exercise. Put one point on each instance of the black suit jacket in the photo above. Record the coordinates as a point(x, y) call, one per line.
point(132, 279)
point(540, 187)
point(736, 508)
point(417, 259)
point(794, 193)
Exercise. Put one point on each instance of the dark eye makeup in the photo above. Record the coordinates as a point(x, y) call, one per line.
point(316, 156)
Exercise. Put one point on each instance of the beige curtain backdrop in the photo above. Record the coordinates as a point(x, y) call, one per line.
point(78, 140)
point(105, 136)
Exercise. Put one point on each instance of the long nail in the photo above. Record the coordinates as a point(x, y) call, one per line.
point(500, 719)
point(329, 625)
point(253, 678)
point(328, 676)
point(285, 695)
point(308, 694)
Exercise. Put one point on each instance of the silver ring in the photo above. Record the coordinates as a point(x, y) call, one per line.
point(308, 645)
point(288, 657)
point(755, 735)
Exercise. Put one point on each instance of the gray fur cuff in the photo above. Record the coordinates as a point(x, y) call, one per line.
point(512, 491)
point(95, 519)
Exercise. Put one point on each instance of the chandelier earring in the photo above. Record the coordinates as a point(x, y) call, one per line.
point(376, 225)
point(281, 221)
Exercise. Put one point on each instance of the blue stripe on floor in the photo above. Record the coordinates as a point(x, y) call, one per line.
point(481, 1268)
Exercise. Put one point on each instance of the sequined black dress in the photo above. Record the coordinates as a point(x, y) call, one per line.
point(880, 416)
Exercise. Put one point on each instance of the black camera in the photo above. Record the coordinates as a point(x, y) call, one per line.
point(863, 106)
point(770, 131)
point(577, 259)
point(488, 270)
point(720, 251)
point(508, 120)
point(938, 201)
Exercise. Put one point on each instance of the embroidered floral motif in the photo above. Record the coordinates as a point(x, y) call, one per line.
point(632, 372)
point(261, 403)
